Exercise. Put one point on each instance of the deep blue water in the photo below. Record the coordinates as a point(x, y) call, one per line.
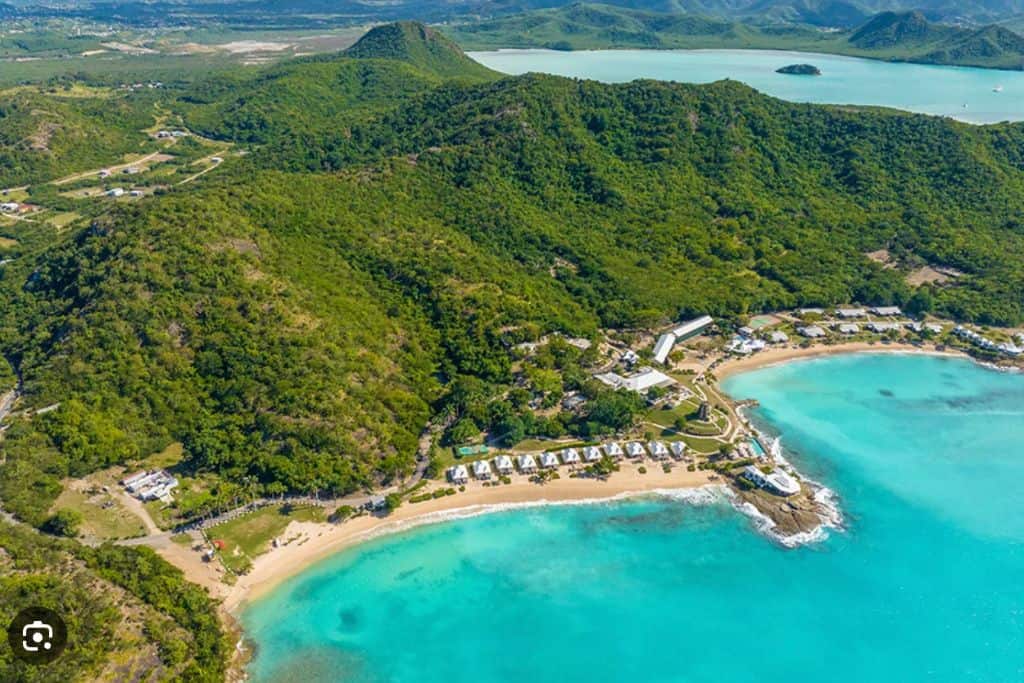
point(925, 584)
point(922, 88)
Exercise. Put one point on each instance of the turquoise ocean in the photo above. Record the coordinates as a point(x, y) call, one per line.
point(964, 93)
point(924, 583)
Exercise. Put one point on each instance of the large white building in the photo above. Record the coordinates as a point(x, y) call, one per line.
point(688, 329)
point(639, 382)
point(663, 347)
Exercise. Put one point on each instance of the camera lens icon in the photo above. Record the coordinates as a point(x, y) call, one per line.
point(37, 635)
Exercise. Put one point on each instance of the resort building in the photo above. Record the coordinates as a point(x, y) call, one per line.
point(591, 453)
point(629, 357)
point(678, 449)
point(777, 482)
point(549, 460)
point(570, 456)
point(634, 450)
point(811, 332)
point(744, 346)
point(778, 337)
point(376, 503)
point(691, 328)
point(882, 327)
point(658, 450)
point(663, 347)
point(503, 464)
point(482, 470)
point(848, 328)
point(887, 311)
point(811, 311)
point(851, 312)
point(115, 192)
point(458, 474)
point(527, 465)
point(640, 382)
point(613, 450)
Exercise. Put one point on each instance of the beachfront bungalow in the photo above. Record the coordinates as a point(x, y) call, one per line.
point(591, 453)
point(657, 449)
point(549, 461)
point(458, 474)
point(678, 449)
point(375, 503)
point(635, 450)
point(570, 456)
point(503, 464)
point(887, 311)
point(811, 332)
point(482, 470)
point(882, 327)
point(527, 465)
point(778, 337)
point(613, 450)
point(851, 312)
point(937, 329)
point(849, 328)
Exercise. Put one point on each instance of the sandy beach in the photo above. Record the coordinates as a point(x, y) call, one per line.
point(776, 355)
point(322, 540)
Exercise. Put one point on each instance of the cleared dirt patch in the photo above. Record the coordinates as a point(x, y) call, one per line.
point(930, 275)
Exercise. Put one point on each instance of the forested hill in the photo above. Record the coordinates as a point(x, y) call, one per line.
point(899, 36)
point(419, 45)
point(298, 319)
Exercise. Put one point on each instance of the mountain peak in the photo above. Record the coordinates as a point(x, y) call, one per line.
point(420, 45)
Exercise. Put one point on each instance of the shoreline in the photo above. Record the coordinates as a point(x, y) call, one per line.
point(323, 540)
point(779, 355)
point(320, 540)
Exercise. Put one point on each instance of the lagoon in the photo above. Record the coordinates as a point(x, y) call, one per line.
point(926, 89)
point(926, 583)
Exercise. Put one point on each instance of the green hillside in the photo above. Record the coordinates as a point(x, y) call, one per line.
point(417, 44)
point(298, 320)
point(896, 36)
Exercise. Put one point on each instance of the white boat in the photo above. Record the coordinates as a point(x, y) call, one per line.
point(998, 88)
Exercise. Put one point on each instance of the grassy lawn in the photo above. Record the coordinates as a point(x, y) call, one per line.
point(250, 535)
point(168, 457)
point(103, 516)
point(701, 445)
point(62, 220)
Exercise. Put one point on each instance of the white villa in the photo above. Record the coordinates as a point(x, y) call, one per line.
point(849, 328)
point(458, 474)
point(778, 337)
point(549, 461)
point(811, 332)
point(527, 464)
point(688, 329)
point(887, 310)
point(591, 453)
point(634, 449)
point(851, 312)
point(482, 470)
point(503, 464)
point(570, 456)
point(613, 450)
point(658, 450)
point(678, 448)
point(883, 327)
point(778, 481)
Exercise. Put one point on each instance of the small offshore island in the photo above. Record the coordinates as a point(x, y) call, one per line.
point(799, 70)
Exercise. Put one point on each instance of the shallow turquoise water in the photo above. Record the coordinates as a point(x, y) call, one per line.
point(845, 80)
point(926, 584)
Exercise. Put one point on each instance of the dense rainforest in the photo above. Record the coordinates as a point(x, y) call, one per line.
point(401, 219)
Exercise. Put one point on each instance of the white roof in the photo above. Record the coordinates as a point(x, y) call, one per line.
point(657, 448)
point(612, 448)
point(592, 453)
point(678, 447)
point(886, 310)
point(779, 336)
point(811, 331)
point(849, 328)
point(503, 462)
point(459, 472)
point(549, 460)
point(664, 347)
point(527, 462)
point(634, 448)
point(639, 382)
point(691, 326)
point(481, 467)
point(883, 327)
point(570, 455)
point(851, 312)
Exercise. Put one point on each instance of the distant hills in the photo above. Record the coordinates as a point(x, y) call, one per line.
point(896, 36)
